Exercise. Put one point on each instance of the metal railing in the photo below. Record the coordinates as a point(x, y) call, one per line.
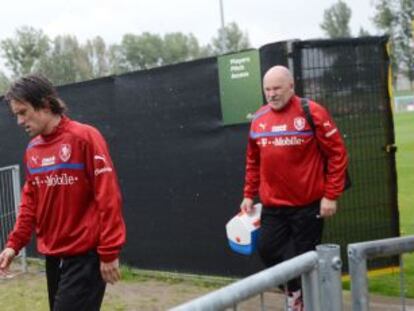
point(321, 283)
point(359, 253)
point(9, 206)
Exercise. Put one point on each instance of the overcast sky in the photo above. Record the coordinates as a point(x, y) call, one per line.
point(265, 21)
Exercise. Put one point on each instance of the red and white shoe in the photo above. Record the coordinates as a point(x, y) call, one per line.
point(295, 301)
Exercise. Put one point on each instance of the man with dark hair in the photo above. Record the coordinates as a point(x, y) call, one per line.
point(299, 172)
point(71, 199)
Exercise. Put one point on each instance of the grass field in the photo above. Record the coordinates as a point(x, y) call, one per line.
point(404, 93)
point(404, 132)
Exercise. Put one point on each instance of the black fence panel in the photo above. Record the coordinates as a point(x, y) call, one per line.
point(181, 168)
point(274, 54)
point(350, 78)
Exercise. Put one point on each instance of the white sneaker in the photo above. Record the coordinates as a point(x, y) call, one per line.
point(295, 301)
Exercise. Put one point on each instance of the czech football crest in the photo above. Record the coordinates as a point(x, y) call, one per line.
point(65, 152)
point(299, 123)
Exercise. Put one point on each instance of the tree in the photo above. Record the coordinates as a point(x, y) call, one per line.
point(141, 51)
point(67, 62)
point(363, 32)
point(179, 47)
point(394, 17)
point(230, 39)
point(386, 20)
point(117, 60)
point(4, 83)
point(137, 52)
point(336, 20)
point(64, 60)
point(405, 38)
point(23, 52)
point(98, 57)
point(385, 17)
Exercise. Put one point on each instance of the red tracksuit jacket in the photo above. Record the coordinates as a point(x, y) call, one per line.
point(286, 164)
point(71, 195)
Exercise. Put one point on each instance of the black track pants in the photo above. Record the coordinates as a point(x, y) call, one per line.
point(287, 232)
point(75, 283)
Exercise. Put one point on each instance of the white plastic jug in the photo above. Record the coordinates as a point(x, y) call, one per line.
point(242, 231)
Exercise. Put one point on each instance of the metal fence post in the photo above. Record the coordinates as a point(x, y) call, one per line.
point(402, 283)
point(359, 253)
point(16, 195)
point(310, 288)
point(330, 265)
point(359, 280)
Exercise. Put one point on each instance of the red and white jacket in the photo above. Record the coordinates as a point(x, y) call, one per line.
point(288, 164)
point(71, 196)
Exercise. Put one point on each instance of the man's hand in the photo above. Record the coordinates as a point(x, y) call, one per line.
point(328, 207)
point(110, 271)
point(6, 257)
point(247, 205)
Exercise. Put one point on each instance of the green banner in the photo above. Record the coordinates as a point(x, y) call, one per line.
point(240, 86)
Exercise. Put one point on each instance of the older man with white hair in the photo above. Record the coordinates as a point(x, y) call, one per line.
point(296, 163)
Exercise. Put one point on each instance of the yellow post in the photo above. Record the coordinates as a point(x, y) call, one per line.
point(390, 79)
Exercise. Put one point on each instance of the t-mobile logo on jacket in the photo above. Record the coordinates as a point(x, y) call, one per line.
point(55, 180)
